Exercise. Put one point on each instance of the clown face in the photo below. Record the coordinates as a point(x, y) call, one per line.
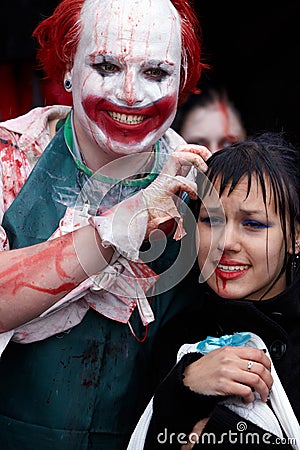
point(125, 75)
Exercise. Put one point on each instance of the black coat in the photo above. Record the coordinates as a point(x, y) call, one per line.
point(175, 407)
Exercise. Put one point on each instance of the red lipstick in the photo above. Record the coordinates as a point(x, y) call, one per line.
point(228, 269)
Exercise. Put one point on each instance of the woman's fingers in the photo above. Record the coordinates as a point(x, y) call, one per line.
point(254, 354)
point(257, 375)
point(260, 381)
point(227, 371)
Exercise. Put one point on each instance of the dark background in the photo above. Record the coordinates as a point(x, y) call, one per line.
point(253, 48)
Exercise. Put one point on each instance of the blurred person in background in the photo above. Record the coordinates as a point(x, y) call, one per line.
point(209, 118)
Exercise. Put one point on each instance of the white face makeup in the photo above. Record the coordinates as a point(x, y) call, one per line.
point(126, 74)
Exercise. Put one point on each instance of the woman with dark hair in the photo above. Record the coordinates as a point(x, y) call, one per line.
point(237, 387)
point(81, 189)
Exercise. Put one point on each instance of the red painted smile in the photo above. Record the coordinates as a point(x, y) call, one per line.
point(128, 125)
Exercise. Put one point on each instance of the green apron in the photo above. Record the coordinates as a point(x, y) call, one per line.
point(83, 389)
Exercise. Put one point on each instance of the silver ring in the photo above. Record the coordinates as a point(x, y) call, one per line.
point(249, 365)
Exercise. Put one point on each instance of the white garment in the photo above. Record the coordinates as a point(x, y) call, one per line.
point(257, 412)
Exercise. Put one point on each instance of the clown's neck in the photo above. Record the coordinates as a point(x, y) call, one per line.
point(111, 164)
point(127, 166)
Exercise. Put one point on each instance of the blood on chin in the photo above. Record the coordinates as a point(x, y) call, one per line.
point(226, 287)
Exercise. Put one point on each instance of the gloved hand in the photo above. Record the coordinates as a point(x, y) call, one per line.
point(128, 223)
point(162, 195)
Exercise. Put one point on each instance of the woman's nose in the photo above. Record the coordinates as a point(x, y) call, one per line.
point(232, 240)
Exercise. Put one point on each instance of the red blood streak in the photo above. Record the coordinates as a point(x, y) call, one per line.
point(217, 284)
point(8, 156)
point(55, 254)
point(62, 288)
point(225, 112)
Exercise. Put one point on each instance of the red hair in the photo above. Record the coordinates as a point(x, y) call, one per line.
point(191, 40)
point(58, 37)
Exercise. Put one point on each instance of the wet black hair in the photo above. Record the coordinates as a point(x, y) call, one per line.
point(267, 156)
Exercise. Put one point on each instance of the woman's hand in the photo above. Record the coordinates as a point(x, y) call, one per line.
point(226, 371)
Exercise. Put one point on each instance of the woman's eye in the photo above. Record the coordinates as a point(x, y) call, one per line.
point(106, 68)
point(255, 224)
point(156, 74)
point(212, 220)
